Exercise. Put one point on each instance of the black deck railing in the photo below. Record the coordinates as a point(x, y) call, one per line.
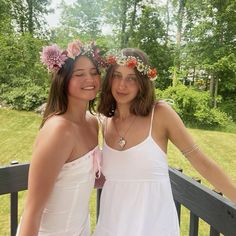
point(202, 202)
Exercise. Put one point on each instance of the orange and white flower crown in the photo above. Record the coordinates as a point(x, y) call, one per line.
point(54, 58)
point(132, 62)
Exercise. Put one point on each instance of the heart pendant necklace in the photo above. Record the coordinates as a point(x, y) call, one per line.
point(122, 141)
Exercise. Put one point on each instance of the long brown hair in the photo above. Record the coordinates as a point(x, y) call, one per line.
point(142, 103)
point(57, 102)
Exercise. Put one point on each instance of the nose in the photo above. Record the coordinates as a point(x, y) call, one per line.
point(122, 83)
point(89, 77)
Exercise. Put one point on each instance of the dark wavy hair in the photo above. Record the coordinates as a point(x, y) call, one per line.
point(142, 103)
point(57, 102)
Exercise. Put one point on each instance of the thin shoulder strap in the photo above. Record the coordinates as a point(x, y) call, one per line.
point(150, 129)
point(102, 122)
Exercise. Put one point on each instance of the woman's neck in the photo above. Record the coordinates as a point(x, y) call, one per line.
point(77, 112)
point(123, 113)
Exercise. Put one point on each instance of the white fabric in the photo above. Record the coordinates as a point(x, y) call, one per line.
point(67, 210)
point(137, 197)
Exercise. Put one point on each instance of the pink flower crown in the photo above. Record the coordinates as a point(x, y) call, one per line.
point(132, 62)
point(54, 58)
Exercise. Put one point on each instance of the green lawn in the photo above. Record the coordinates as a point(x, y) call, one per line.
point(18, 130)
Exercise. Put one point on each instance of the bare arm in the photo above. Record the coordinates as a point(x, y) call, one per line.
point(180, 137)
point(52, 148)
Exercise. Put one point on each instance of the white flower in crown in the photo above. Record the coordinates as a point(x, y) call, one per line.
point(140, 67)
point(121, 61)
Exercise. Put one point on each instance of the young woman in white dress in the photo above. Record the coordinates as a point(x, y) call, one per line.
point(62, 170)
point(136, 197)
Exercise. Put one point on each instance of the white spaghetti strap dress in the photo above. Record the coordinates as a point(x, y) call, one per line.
point(67, 210)
point(137, 198)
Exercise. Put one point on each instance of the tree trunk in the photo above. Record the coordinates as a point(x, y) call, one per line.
point(133, 18)
point(124, 24)
point(30, 16)
point(178, 41)
point(212, 89)
point(167, 22)
point(216, 92)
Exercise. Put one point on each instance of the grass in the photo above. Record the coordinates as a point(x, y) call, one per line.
point(18, 130)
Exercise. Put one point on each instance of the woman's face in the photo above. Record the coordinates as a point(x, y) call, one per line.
point(85, 81)
point(124, 85)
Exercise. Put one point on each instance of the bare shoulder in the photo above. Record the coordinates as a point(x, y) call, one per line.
point(163, 109)
point(57, 128)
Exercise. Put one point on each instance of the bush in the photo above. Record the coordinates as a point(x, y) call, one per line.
point(228, 106)
point(194, 107)
point(23, 78)
point(24, 98)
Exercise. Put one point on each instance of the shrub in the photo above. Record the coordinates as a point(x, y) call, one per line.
point(24, 98)
point(194, 106)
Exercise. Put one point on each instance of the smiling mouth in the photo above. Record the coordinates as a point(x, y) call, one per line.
point(121, 94)
point(89, 88)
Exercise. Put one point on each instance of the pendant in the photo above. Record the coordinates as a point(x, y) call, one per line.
point(122, 142)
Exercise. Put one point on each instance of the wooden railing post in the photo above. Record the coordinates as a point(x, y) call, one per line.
point(213, 231)
point(194, 220)
point(14, 208)
point(177, 204)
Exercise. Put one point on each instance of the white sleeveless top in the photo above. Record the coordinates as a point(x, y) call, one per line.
point(137, 197)
point(67, 210)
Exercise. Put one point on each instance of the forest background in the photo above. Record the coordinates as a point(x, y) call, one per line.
point(192, 43)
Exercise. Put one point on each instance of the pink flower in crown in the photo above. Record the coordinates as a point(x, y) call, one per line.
point(74, 49)
point(53, 57)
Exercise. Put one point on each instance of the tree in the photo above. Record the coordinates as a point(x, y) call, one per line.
point(28, 15)
point(152, 40)
point(210, 43)
point(83, 19)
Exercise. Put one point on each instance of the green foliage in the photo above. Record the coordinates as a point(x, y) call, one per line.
point(23, 79)
point(26, 98)
point(151, 39)
point(209, 36)
point(193, 107)
point(228, 106)
point(29, 16)
point(82, 19)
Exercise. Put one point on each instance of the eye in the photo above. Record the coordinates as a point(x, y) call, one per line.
point(94, 73)
point(116, 76)
point(131, 78)
point(79, 74)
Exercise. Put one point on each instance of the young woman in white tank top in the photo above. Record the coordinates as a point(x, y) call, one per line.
point(136, 197)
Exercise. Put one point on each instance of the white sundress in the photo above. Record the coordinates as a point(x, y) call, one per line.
point(67, 210)
point(137, 198)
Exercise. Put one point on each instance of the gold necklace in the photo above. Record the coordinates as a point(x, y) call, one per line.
point(122, 141)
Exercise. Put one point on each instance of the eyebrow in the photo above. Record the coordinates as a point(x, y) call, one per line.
point(93, 68)
point(121, 73)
